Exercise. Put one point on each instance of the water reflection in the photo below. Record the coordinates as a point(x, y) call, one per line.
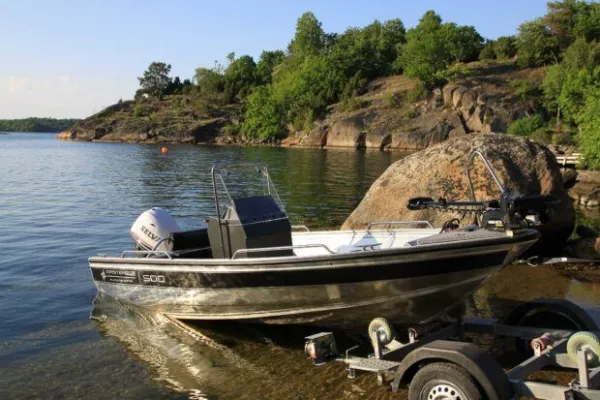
point(319, 188)
point(219, 360)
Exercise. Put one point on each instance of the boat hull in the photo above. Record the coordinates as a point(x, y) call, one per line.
point(407, 286)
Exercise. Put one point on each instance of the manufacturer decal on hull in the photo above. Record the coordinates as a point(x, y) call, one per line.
point(118, 276)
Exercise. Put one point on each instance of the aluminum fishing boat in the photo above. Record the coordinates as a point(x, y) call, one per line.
point(249, 263)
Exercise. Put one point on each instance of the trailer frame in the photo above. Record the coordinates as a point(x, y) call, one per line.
point(442, 343)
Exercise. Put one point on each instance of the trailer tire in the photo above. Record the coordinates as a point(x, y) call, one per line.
point(551, 314)
point(381, 325)
point(441, 380)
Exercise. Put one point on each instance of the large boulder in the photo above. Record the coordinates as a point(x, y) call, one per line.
point(421, 138)
point(439, 171)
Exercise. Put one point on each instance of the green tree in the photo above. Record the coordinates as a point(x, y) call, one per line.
point(187, 86)
point(309, 38)
point(266, 64)
point(155, 80)
point(488, 52)
point(462, 42)
point(565, 84)
point(582, 54)
point(572, 95)
point(263, 118)
point(305, 91)
point(366, 53)
point(432, 47)
point(536, 45)
point(562, 18)
point(425, 53)
point(239, 78)
point(590, 126)
point(588, 22)
point(552, 86)
point(209, 81)
point(505, 47)
point(174, 86)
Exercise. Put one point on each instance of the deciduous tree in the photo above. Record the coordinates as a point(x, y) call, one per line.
point(155, 80)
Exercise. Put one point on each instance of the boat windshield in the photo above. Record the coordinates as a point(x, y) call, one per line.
point(235, 181)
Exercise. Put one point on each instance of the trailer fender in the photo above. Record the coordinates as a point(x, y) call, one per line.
point(486, 371)
point(566, 313)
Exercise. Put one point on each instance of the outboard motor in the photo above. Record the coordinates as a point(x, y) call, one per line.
point(151, 227)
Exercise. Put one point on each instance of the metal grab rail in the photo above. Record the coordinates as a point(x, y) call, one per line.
point(301, 227)
point(146, 253)
point(399, 223)
point(267, 249)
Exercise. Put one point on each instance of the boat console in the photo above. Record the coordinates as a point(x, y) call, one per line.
point(250, 223)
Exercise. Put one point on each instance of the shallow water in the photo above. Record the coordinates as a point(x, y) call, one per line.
point(65, 201)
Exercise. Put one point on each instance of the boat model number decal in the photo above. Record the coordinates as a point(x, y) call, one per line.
point(153, 278)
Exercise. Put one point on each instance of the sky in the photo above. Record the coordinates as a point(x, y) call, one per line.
point(72, 58)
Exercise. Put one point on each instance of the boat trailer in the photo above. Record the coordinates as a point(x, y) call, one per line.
point(437, 363)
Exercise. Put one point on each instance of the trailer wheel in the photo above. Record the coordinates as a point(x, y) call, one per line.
point(580, 340)
point(381, 327)
point(443, 381)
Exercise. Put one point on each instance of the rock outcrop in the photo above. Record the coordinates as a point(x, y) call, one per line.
point(586, 190)
point(388, 116)
point(171, 120)
point(482, 103)
point(439, 171)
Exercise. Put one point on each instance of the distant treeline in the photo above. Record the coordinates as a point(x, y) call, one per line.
point(36, 124)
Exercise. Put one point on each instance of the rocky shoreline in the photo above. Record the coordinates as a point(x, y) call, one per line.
point(388, 116)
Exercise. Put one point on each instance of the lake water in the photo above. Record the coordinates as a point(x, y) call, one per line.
point(64, 201)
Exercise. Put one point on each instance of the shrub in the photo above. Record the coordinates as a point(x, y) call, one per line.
point(526, 90)
point(526, 126)
point(393, 100)
point(562, 138)
point(541, 136)
point(488, 52)
point(139, 111)
point(412, 113)
point(354, 103)
point(456, 71)
point(263, 115)
point(419, 92)
point(232, 130)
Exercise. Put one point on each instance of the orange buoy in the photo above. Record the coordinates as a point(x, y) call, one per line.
point(164, 150)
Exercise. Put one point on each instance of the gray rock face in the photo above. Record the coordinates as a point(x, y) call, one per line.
point(439, 171)
point(481, 112)
point(350, 131)
point(421, 138)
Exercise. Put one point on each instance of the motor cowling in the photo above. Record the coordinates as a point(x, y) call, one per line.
point(151, 227)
